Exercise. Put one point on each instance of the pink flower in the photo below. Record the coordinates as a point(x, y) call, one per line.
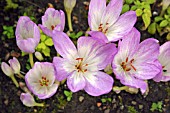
point(52, 20)
point(136, 62)
point(41, 80)
point(27, 34)
point(164, 59)
point(15, 65)
point(108, 20)
point(82, 66)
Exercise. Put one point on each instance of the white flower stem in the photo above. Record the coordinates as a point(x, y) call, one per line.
point(87, 31)
point(69, 21)
point(31, 59)
point(15, 81)
point(120, 88)
point(39, 104)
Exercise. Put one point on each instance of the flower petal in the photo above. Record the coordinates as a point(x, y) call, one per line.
point(146, 71)
point(64, 45)
point(27, 99)
point(96, 9)
point(122, 26)
point(7, 69)
point(76, 81)
point(98, 83)
point(112, 12)
point(148, 51)
point(129, 45)
point(99, 36)
point(62, 67)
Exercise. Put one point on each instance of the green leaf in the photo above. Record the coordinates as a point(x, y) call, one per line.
point(150, 1)
point(148, 12)
point(4, 32)
point(139, 12)
point(49, 42)
point(43, 37)
point(42, 45)
point(164, 23)
point(103, 100)
point(80, 33)
point(152, 28)
point(72, 35)
point(134, 7)
point(158, 18)
point(125, 8)
point(68, 98)
point(168, 10)
point(129, 1)
point(168, 36)
point(146, 19)
point(166, 16)
point(46, 51)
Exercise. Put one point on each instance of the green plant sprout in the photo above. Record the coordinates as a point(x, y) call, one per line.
point(131, 109)
point(10, 5)
point(8, 31)
point(156, 106)
point(104, 100)
point(44, 45)
point(76, 35)
point(68, 94)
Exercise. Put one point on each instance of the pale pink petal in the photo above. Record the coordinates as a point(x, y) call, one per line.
point(99, 36)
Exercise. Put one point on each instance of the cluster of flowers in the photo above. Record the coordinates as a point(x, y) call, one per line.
point(133, 63)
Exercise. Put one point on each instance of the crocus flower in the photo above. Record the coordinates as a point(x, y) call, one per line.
point(52, 20)
point(108, 20)
point(164, 59)
point(15, 65)
point(27, 34)
point(81, 66)
point(41, 80)
point(28, 100)
point(136, 62)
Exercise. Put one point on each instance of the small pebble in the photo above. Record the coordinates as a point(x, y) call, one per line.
point(92, 107)
point(81, 98)
point(121, 107)
point(6, 102)
point(107, 111)
point(140, 106)
point(99, 104)
point(133, 102)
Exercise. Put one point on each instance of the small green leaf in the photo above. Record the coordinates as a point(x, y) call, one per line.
point(4, 32)
point(152, 28)
point(125, 8)
point(146, 19)
point(67, 93)
point(129, 1)
point(72, 35)
point(49, 42)
point(164, 23)
point(168, 36)
point(150, 1)
point(158, 18)
point(148, 12)
point(103, 100)
point(139, 12)
point(168, 10)
point(46, 51)
point(134, 7)
point(42, 45)
point(166, 16)
point(80, 33)
point(68, 98)
point(43, 37)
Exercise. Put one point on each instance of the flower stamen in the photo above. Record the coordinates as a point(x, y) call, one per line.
point(128, 65)
point(44, 81)
point(79, 66)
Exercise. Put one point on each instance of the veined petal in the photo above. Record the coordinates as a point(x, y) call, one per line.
point(96, 9)
point(146, 71)
point(98, 83)
point(46, 30)
point(87, 46)
point(122, 26)
point(64, 45)
point(112, 12)
point(76, 81)
point(148, 51)
point(62, 67)
point(129, 45)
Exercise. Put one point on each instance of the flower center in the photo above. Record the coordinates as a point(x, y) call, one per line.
point(164, 70)
point(52, 27)
point(80, 67)
point(44, 81)
point(102, 28)
point(127, 66)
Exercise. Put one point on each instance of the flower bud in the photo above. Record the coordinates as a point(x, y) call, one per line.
point(27, 99)
point(7, 69)
point(39, 56)
point(15, 65)
point(69, 5)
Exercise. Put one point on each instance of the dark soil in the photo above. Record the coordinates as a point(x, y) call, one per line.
point(9, 94)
